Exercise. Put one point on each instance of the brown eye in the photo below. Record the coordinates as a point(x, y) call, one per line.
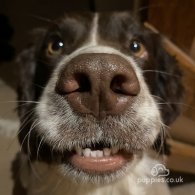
point(137, 48)
point(55, 46)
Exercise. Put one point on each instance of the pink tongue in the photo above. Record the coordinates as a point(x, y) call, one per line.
point(102, 164)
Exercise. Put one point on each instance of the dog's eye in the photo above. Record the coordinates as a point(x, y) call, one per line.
point(137, 48)
point(55, 46)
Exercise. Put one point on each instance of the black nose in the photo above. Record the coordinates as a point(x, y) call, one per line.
point(98, 84)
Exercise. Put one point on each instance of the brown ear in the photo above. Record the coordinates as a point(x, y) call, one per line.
point(27, 63)
point(168, 85)
point(168, 88)
point(166, 82)
point(26, 90)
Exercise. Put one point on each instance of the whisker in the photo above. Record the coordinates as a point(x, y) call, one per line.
point(58, 184)
point(144, 7)
point(35, 172)
point(26, 120)
point(162, 72)
point(140, 9)
point(17, 101)
point(46, 63)
point(24, 123)
point(41, 87)
point(160, 150)
point(41, 18)
point(178, 103)
point(39, 146)
point(20, 103)
point(24, 104)
point(34, 124)
point(162, 137)
point(168, 103)
point(158, 98)
point(26, 135)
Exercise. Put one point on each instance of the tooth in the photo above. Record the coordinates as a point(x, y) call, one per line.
point(99, 153)
point(79, 151)
point(114, 150)
point(107, 151)
point(93, 154)
point(86, 152)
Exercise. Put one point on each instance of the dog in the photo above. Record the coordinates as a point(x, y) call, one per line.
point(96, 91)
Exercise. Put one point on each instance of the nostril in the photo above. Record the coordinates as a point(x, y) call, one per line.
point(78, 82)
point(116, 84)
point(83, 81)
point(121, 84)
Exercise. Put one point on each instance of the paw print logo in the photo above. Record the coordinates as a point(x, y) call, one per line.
point(160, 170)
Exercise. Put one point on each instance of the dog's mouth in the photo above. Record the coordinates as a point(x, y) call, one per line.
point(99, 158)
point(100, 161)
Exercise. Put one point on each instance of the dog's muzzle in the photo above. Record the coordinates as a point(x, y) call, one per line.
point(99, 85)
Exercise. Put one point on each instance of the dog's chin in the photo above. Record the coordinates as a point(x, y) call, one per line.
point(98, 166)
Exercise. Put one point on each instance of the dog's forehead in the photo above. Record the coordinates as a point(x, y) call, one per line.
point(109, 25)
point(116, 22)
point(109, 18)
point(75, 21)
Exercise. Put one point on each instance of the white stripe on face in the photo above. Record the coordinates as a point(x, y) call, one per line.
point(94, 31)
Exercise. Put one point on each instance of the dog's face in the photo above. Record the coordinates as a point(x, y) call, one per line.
point(97, 81)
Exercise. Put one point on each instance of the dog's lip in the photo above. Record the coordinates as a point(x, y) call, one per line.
point(101, 164)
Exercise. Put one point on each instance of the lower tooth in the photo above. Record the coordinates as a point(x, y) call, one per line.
point(99, 153)
point(93, 154)
point(107, 151)
point(86, 152)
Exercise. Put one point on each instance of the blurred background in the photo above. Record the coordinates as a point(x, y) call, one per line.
point(174, 19)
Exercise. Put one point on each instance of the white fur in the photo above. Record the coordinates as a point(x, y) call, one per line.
point(93, 34)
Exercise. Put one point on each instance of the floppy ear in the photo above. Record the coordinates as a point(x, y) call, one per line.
point(166, 81)
point(26, 91)
point(167, 84)
point(27, 64)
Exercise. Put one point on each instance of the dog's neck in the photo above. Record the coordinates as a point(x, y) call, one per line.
point(46, 179)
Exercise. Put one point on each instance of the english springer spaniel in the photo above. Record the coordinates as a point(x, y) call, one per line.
point(96, 91)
